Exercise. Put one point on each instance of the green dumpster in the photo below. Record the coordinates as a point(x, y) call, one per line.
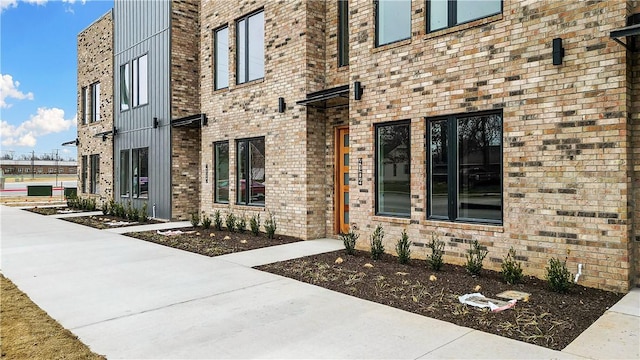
point(39, 190)
point(70, 192)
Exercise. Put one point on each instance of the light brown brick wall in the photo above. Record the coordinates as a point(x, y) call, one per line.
point(565, 142)
point(633, 77)
point(185, 101)
point(95, 64)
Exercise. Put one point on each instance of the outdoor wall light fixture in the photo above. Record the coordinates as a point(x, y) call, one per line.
point(358, 89)
point(558, 51)
point(281, 105)
point(156, 123)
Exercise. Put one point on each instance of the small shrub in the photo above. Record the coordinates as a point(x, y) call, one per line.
point(349, 240)
point(254, 223)
point(195, 219)
point(120, 211)
point(377, 248)
point(270, 226)
point(92, 204)
point(511, 269)
point(143, 217)
point(558, 276)
point(217, 220)
point(112, 207)
point(206, 221)
point(105, 208)
point(72, 202)
point(130, 210)
point(403, 248)
point(475, 257)
point(241, 223)
point(230, 221)
point(437, 251)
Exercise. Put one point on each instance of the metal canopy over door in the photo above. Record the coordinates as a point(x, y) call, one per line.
point(342, 180)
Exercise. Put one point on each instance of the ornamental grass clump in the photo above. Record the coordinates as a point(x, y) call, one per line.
point(558, 276)
point(377, 248)
point(403, 248)
point(437, 251)
point(349, 240)
point(511, 269)
point(475, 257)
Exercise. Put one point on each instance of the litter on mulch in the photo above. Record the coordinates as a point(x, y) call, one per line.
point(479, 300)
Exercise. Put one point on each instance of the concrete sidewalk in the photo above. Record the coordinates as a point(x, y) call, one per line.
point(127, 298)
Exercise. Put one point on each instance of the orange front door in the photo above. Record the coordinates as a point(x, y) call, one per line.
point(342, 180)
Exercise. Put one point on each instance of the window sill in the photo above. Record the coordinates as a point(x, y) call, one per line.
point(391, 219)
point(390, 46)
point(441, 224)
point(245, 84)
point(462, 27)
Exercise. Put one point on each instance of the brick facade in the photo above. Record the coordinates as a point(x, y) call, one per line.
point(95, 64)
point(185, 101)
point(570, 154)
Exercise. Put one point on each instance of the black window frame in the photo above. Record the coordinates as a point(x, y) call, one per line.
point(84, 171)
point(94, 116)
point(132, 94)
point(247, 178)
point(405, 122)
point(246, 18)
point(452, 9)
point(124, 175)
point(85, 105)
point(453, 165)
point(215, 171)
point(376, 6)
point(343, 33)
point(94, 173)
point(137, 191)
point(215, 57)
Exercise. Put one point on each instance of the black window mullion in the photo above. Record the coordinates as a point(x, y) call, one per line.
point(452, 165)
point(246, 52)
point(452, 15)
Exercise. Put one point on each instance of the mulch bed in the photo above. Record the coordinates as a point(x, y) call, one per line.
point(102, 221)
point(50, 210)
point(547, 318)
point(210, 242)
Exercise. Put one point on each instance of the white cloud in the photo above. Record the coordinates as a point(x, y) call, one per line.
point(5, 4)
point(9, 89)
point(46, 121)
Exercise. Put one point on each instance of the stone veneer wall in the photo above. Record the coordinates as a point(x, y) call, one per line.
point(185, 101)
point(95, 64)
point(565, 131)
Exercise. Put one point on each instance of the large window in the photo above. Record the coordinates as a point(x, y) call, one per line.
point(442, 14)
point(343, 32)
point(124, 173)
point(140, 160)
point(94, 175)
point(134, 83)
point(393, 178)
point(85, 105)
point(250, 172)
point(221, 74)
point(221, 169)
point(124, 87)
point(83, 174)
point(250, 48)
point(393, 21)
point(95, 102)
point(465, 168)
point(140, 93)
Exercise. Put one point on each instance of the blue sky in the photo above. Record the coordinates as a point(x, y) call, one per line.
point(38, 72)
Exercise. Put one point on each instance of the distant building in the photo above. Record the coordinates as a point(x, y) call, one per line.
point(38, 167)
